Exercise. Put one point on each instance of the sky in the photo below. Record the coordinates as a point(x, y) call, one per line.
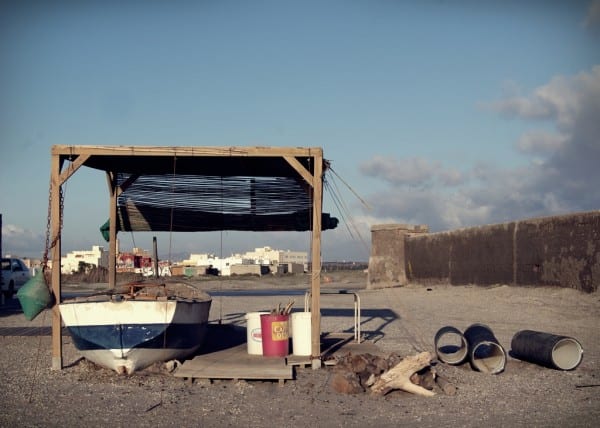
point(451, 114)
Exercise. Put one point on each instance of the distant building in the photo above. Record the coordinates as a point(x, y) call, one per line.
point(210, 261)
point(259, 261)
point(294, 259)
point(95, 257)
point(265, 259)
point(134, 260)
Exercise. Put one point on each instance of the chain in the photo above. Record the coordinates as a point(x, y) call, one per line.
point(48, 244)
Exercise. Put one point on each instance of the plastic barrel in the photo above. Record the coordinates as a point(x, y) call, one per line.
point(485, 353)
point(546, 349)
point(275, 335)
point(301, 333)
point(450, 345)
point(254, 333)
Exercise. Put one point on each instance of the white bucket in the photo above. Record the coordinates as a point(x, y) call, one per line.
point(301, 333)
point(254, 333)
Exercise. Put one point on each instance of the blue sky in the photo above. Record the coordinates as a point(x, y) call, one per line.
point(446, 113)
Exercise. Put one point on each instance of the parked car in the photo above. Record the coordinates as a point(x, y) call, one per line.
point(13, 275)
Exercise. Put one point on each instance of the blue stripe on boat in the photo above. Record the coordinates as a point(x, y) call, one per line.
point(151, 336)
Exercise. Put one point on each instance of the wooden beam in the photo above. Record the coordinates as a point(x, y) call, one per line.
point(294, 163)
point(127, 183)
point(55, 213)
point(316, 262)
point(73, 167)
point(183, 151)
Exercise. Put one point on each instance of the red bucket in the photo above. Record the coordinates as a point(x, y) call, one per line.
point(275, 335)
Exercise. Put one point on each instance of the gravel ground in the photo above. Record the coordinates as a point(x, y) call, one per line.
point(402, 320)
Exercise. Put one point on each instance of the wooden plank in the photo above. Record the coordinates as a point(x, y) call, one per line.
point(235, 363)
point(299, 360)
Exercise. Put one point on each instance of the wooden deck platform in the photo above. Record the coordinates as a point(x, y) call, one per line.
point(224, 356)
point(235, 363)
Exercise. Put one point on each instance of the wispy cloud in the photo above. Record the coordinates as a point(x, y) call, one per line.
point(414, 172)
point(21, 242)
point(561, 177)
point(592, 18)
point(540, 142)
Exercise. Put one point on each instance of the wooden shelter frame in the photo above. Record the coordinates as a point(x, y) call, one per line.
point(110, 158)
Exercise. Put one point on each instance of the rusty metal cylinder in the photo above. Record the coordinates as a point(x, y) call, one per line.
point(485, 352)
point(546, 349)
point(451, 346)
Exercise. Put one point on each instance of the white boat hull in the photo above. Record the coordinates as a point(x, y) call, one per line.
point(130, 335)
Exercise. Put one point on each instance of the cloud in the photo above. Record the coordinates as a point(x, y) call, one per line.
point(537, 141)
point(412, 172)
point(416, 172)
point(22, 242)
point(561, 176)
point(592, 18)
point(561, 101)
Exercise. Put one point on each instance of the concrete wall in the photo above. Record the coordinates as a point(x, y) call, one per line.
point(479, 255)
point(246, 270)
point(561, 251)
point(387, 260)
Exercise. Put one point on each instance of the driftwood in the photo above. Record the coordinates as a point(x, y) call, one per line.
point(445, 385)
point(425, 378)
point(398, 377)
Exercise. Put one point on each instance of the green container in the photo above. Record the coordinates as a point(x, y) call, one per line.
point(34, 296)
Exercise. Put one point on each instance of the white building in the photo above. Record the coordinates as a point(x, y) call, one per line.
point(96, 257)
point(294, 257)
point(264, 256)
point(210, 260)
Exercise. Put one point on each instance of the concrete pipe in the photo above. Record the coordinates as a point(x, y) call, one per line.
point(549, 350)
point(451, 346)
point(485, 352)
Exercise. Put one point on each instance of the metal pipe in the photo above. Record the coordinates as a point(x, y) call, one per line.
point(546, 349)
point(485, 352)
point(451, 346)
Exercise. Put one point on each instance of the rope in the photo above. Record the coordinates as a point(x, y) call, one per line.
point(351, 189)
point(37, 359)
point(336, 196)
point(172, 208)
point(221, 258)
point(271, 195)
point(133, 239)
point(345, 212)
point(209, 203)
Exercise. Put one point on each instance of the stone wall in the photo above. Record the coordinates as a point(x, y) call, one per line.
point(561, 251)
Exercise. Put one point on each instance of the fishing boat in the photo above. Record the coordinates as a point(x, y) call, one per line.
point(136, 325)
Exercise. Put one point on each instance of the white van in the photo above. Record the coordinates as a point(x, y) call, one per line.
point(13, 275)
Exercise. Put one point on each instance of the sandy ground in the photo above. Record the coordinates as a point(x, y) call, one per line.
point(402, 320)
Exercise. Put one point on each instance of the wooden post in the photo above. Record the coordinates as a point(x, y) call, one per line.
point(112, 233)
point(316, 260)
point(56, 214)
